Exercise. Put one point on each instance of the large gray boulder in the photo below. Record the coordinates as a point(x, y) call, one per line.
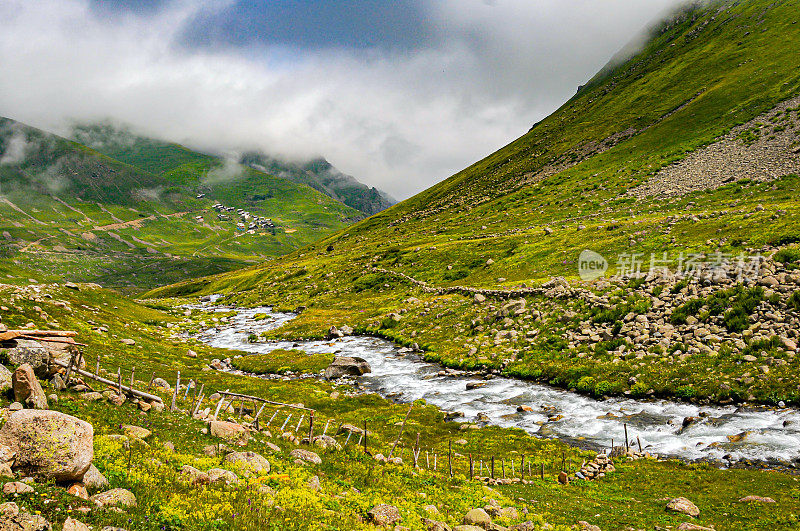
point(49, 444)
point(37, 354)
point(347, 366)
point(27, 389)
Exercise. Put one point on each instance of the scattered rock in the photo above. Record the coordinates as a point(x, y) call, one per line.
point(248, 463)
point(78, 490)
point(70, 524)
point(136, 432)
point(760, 499)
point(49, 444)
point(229, 431)
point(16, 487)
point(314, 484)
point(163, 384)
point(114, 497)
point(194, 475)
point(306, 456)
point(477, 517)
point(27, 389)
point(8, 509)
point(94, 480)
point(326, 441)
point(220, 475)
point(433, 525)
point(384, 515)
point(682, 505)
point(686, 526)
point(14, 519)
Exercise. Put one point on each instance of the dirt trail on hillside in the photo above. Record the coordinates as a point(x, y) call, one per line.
point(135, 223)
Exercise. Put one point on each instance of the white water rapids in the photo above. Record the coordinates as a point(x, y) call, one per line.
point(770, 435)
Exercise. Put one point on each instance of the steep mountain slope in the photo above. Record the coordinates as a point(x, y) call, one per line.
point(321, 175)
point(142, 215)
point(688, 148)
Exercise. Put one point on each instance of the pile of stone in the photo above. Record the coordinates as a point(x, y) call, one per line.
point(596, 469)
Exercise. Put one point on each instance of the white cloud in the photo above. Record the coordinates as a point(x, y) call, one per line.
point(398, 121)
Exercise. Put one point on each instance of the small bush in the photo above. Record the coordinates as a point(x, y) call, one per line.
point(679, 286)
point(371, 281)
point(456, 274)
point(586, 384)
point(789, 257)
point(794, 301)
point(686, 391)
point(756, 348)
point(682, 312)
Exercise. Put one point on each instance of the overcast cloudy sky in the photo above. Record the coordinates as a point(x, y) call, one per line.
point(399, 93)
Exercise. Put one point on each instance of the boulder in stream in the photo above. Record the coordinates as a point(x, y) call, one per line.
point(347, 366)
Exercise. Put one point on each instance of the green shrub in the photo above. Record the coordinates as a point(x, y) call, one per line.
point(794, 301)
point(755, 348)
point(456, 274)
point(604, 388)
point(789, 257)
point(686, 391)
point(586, 384)
point(682, 312)
point(679, 286)
point(639, 389)
point(371, 281)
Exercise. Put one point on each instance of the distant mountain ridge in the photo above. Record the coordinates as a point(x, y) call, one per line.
point(123, 210)
point(321, 175)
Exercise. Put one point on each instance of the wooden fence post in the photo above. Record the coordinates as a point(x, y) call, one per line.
point(450, 456)
point(471, 467)
point(522, 467)
point(492, 467)
point(119, 380)
point(173, 407)
point(133, 376)
point(285, 422)
point(311, 429)
point(365, 437)
point(402, 427)
point(69, 367)
point(97, 367)
point(626, 436)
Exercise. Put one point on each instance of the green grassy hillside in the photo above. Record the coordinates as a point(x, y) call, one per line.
point(133, 212)
point(123, 334)
point(690, 146)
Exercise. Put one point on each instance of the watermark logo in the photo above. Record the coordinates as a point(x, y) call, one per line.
point(712, 266)
point(591, 265)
